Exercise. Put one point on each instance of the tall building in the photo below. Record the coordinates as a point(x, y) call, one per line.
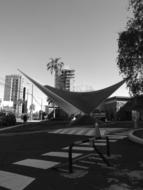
point(13, 90)
point(65, 80)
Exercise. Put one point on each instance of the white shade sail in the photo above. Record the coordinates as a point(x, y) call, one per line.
point(76, 102)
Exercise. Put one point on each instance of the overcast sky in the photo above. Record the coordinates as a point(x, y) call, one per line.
point(83, 33)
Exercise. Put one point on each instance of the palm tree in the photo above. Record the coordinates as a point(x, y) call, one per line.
point(55, 66)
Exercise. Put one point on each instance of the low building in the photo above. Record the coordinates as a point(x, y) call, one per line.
point(134, 106)
point(112, 106)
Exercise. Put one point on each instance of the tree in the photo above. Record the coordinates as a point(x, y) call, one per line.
point(130, 49)
point(55, 66)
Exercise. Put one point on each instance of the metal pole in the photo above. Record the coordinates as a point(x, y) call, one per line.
point(101, 155)
point(32, 103)
point(41, 108)
point(70, 158)
point(108, 146)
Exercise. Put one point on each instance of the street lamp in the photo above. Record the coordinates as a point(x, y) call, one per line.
point(32, 106)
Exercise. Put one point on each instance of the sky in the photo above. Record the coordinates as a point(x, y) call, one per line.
point(84, 33)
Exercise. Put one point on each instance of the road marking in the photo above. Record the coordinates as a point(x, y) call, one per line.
point(85, 148)
point(81, 132)
point(72, 131)
point(14, 181)
point(86, 162)
point(81, 167)
point(56, 131)
point(78, 131)
point(99, 141)
point(90, 132)
point(117, 136)
point(101, 164)
point(61, 154)
point(98, 158)
point(42, 164)
point(96, 144)
point(94, 158)
point(100, 144)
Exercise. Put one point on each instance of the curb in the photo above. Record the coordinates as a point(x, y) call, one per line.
point(14, 126)
point(134, 138)
point(11, 127)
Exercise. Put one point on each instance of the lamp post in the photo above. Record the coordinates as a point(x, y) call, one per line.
point(32, 105)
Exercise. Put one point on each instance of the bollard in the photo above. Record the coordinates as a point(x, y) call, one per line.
point(97, 131)
point(108, 146)
point(70, 158)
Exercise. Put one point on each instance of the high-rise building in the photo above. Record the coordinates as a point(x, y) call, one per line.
point(13, 90)
point(65, 80)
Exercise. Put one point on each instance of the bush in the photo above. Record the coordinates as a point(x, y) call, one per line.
point(7, 119)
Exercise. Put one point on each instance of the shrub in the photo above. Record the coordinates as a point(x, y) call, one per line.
point(7, 119)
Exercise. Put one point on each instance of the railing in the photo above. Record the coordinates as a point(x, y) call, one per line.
point(92, 143)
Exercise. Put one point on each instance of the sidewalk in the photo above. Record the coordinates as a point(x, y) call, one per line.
point(126, 172)
point(29, 120)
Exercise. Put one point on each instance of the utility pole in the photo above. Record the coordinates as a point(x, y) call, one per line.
point(24, 102)
point(32, 106)
point(41, 108)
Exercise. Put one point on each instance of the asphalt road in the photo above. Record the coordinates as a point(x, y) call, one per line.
point(23, 155)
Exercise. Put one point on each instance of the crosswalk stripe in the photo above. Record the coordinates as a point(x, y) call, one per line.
point(14, 181)
point(100, 144)
point(62, 131)
point(99, 141)
point(96, 144)
point(78, 131)
point(56, 131)
point(90, 133)
point(96, 157)
point(86, 162)
point(81, 167)
point(117, 136)
point(83, 148)
point(73, 131)
point(66, 131)
point(81, 132)
point(101, 164)
point(86, 131)
point(41, 164)
point(61, 154)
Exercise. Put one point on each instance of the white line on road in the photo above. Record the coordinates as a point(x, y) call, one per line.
point(83, 148)
point(81, 167)
point(86, 162)
point(42, 164)
point(14, 181)
point(117, 136)
point(61, 154)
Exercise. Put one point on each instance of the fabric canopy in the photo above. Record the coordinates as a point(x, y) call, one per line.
point(76, 102)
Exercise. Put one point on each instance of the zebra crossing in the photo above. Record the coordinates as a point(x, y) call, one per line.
point(16, 181)
point(88, 131)
point(77, 131)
